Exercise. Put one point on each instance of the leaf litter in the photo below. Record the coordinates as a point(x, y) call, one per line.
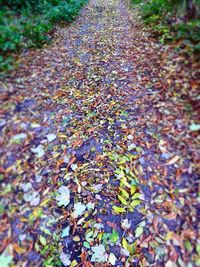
point(99, 150)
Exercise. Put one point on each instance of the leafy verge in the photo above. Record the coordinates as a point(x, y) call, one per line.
point(25, 24)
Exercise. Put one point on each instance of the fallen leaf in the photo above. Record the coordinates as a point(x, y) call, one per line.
point(173, 160)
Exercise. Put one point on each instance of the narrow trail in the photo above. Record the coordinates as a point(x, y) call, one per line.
point(91, 162)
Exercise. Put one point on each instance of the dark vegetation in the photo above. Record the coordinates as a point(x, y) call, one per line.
point(27, 23)
point(173, 20)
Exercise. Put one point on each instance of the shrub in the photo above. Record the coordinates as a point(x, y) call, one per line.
point(25, 23)
point(173, 20)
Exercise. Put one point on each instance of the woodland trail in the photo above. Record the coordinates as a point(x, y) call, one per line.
point(96, 170)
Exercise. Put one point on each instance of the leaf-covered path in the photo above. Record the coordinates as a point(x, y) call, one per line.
point(98, 168)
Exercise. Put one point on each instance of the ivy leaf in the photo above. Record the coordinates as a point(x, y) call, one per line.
point(100, 254)
point(114, 237)
point(39, 151)
point(79, 208)
point(65, 232)
point(64, 196)
point(65, 259)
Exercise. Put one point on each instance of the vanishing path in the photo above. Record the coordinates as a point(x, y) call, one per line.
point(91, 162)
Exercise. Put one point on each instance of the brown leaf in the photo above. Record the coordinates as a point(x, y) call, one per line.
point(173, 160)
point(155, 224)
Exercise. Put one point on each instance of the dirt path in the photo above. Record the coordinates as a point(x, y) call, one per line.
point(97, 169)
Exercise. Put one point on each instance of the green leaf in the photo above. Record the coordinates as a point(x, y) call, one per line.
point(122, 200)
point(89, 234)
point(135, 203)
point(133, 175)
point(42, 240)
point(133, 189)
point(86, 244)
point(129, 247)
point(63, 198)
point(118, 209)
point(198, 248)
point(114, 237)
point(136, 195)
point(124, 193)
point(188, 245)
point(123, 182)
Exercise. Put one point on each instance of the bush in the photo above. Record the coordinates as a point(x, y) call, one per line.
point(173, 20)
point(25, 24)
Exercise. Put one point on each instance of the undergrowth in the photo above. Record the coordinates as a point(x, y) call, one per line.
point(173, 20)
point(27, 23)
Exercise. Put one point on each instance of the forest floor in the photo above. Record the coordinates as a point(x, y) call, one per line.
point(99, 148)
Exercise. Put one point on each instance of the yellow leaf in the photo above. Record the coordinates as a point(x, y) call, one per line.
point(135, 171)
point(124, 193)
point(133, 189)
point(56, 155)
point(130, 248)
point(74, 263)
point(135, 203)
point(62, 136)
point(122, 200)
point(169, 236)
point(136, 195)
point(133, 175)
point(123, 182)
point(37, 212)
point(118, 209)
point(44, 202)
point(124, 243)
point(100, 235)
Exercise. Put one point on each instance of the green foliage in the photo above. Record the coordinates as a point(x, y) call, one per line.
point(26, 23)
point(155, 9)
point(190, 30)
point(172, 20)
